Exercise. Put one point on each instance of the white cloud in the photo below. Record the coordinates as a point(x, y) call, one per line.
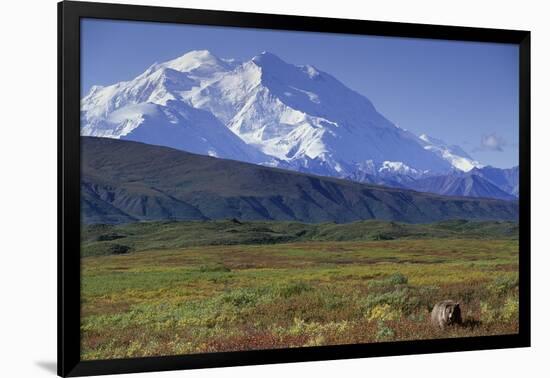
point(492, 142)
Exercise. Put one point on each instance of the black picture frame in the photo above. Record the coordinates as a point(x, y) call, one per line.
point(69, 15)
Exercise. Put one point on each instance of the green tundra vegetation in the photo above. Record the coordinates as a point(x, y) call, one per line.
point(169, 288)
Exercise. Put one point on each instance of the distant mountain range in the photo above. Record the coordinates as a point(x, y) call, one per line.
point(268, 112)
point(470, 185)
point(125, 181)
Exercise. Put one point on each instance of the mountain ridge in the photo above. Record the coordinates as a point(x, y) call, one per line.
point(146, 182)
point(295, 116)
point(483, 181)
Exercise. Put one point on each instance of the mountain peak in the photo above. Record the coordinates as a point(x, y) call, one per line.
point(199, 54)
point(292, 116)
point(196, 59)
point(267, 58)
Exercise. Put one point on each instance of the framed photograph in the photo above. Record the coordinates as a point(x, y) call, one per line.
point(239, 188)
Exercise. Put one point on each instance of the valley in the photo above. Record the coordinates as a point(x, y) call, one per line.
point(125, 181)
point(201, 287)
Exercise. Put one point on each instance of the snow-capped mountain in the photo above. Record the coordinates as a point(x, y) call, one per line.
point(455, 155)
point(149, 109)
point(264, 111)
point(308, 119)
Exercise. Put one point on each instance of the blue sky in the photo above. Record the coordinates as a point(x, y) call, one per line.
point(465, 93)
